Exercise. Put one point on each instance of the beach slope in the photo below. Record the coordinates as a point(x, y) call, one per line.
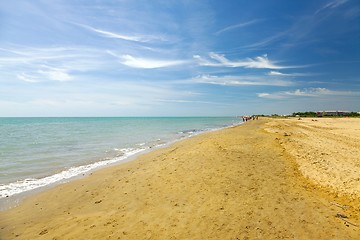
point(244, 182)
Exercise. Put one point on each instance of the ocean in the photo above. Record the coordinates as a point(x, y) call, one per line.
point(38, 152)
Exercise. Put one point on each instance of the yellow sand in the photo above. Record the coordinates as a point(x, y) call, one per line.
point(238, 183)
point(327, 150)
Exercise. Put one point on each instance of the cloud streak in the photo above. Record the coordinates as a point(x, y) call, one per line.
point(303, 29)
point(280, 74)
point(236, 26)
point(146, 63)
point(219, 60)
point(45, 73)
point(27, 78)
point(56, 64)
point(240, 81)
point(331, 5)
point(134, 38)
point(308, 92)
point(187, 101)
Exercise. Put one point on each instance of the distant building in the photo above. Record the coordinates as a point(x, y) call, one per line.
point(333, 113)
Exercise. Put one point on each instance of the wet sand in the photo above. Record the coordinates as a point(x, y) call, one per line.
point(260, 180)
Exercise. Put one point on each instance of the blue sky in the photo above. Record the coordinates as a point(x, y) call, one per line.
point(178, 58)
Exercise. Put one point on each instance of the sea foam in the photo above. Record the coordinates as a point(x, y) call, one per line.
point(8, 190)
point(69, 143)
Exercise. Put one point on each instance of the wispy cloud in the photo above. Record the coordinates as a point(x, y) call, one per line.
point(299, 31)
point(148, 63)
point(280, 74)
point(331, 5)
point(236, 26)
point(56, 64)
point(18, 55)
point(56, 74)
point(241, 80)
point(275, 73)
point(257, 62)
point(268, 40)
point(45, 73)
point(27, 55)
point(308, 92)
point(186, 101)
point(135, 38)
point(27, 78)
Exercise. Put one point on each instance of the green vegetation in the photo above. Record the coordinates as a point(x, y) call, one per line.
point(313, 114)
point(325, 114)
point(354, 114)
point(304, 114)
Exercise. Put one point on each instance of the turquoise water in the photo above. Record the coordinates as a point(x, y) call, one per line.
point(35, 152)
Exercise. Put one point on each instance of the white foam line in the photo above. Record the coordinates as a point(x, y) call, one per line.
point(11, 189)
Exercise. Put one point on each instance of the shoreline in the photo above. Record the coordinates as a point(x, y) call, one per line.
point(10, 201)
point(235, 182)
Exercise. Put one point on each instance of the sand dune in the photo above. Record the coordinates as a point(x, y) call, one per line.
point(245, 182)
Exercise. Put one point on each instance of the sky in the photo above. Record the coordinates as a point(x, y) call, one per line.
point(178, 58)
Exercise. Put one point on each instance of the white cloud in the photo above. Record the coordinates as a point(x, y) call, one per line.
point(185, 101)
point(204, 62)
point(309, 92)
point(240, 80)
point(45, 74)
point(135, 38)
point(263, 95)
point(222, 61)
point(268, 40)
point(336, 3)
point(57, 64)
point(148, 63)
point(56, 74)
point(331, 5)
point(239, 25)
point(47, 56)
point(275, 73)
point(280, 74)
point(27, 78)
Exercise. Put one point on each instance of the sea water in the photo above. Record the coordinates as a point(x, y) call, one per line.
point(37, 152)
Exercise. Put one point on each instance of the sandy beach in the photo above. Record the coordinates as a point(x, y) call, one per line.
point(265, 179)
